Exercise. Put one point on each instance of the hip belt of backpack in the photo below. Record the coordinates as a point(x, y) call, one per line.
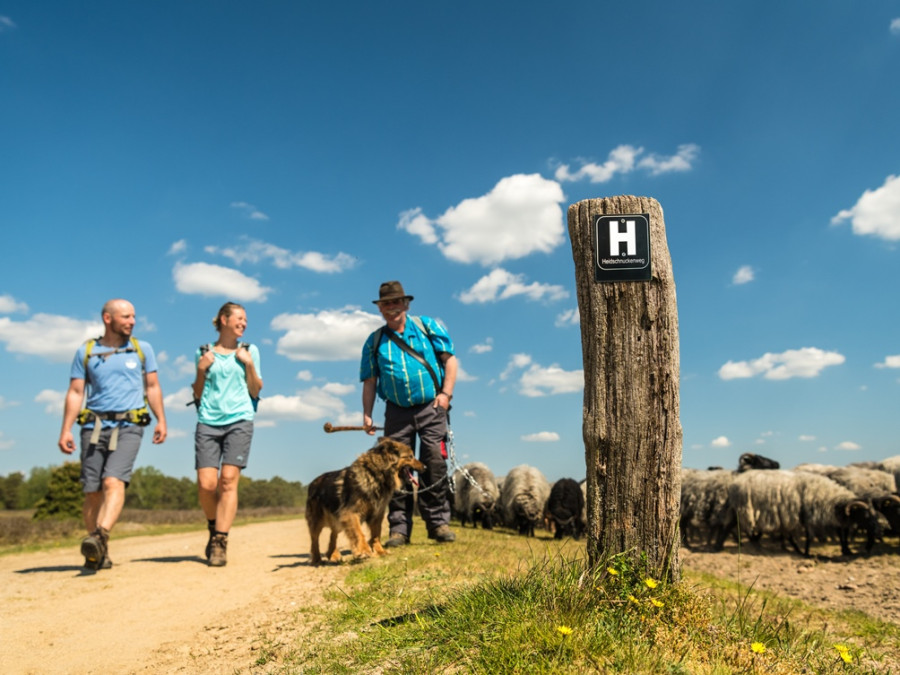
point(139, 416)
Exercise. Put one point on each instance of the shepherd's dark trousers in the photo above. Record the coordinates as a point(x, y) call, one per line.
point(429, 423)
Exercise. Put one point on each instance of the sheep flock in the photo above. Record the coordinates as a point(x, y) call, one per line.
point(758, 503)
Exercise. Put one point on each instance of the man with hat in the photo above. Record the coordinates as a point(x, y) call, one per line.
point(410, 364)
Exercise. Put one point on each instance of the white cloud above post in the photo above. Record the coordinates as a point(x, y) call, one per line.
point(521, 215)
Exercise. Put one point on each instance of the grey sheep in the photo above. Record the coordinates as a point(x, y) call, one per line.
point(787, 504)
point(523, 497)
point(704, 504)
point(476, 503)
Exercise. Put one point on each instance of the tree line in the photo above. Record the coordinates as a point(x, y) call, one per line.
point(55, 492)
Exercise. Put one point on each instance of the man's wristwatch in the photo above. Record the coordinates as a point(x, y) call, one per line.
point(449, 396)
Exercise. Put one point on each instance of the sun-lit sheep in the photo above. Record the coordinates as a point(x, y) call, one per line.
point(523, 496)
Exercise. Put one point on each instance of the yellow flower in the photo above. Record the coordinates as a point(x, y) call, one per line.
point(651, 583)
point(844, 653)
point(565, 630)
point(655, 602)
point(758, 647)
point(612, 571)
point(437, 555)
point(633, 599)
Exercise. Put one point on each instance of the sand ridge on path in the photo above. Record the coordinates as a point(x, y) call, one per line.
point(160, 608)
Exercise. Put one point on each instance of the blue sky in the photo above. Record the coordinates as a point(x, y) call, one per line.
point(292, 156)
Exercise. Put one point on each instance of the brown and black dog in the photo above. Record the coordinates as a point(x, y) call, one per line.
point(344, 500)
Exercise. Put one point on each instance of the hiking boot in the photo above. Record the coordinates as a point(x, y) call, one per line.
point(396, 539)
point(212, 533)
point(106, 563)
point(442, 534)
point(93, 548)
point(217, 549)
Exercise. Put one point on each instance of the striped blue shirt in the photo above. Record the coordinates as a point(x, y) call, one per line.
point(402, 380)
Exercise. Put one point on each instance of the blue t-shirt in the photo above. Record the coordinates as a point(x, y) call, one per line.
point(114, 381)
point(226, 397)
point(402, 380)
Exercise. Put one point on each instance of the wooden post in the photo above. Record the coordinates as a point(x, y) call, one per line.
point(631, 428)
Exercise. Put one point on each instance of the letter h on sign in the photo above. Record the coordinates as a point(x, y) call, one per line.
point(616, 237)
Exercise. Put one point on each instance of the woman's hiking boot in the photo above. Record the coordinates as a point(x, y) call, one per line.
point(212, 533)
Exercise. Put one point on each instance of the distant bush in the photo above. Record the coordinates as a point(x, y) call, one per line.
point(64, 497)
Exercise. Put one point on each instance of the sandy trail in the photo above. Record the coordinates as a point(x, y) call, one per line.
point(161, 608)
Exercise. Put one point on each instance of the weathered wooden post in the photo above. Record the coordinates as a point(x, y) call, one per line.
point(629, 340)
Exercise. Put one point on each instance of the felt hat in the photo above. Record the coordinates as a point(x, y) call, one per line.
point(391, 290)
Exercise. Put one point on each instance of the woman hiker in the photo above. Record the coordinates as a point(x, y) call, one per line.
point(226, 389)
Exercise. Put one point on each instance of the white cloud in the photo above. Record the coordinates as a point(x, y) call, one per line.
point(895, 26)
point(625, 158)
point(9, 305)
point(877, 212)
point(805, 362)
point(329, 335)
point(255, 251)
point(6, 24)
point(539, 381)
point(483, 348)
point(214, 280)
point(463, 376)
point(806, 438)
point(184, 366)
point(178, 401)
point(54, 401)
point(541, 437)
point(889, 362)
point(848, 445)
point(520, 216)
point(516, 362)
point(502, 285)
point(681, 161)
point(305, 375)
point(744, 275)
point(309, 404)
point(5, 444)
point(178, 247)
point(720, 442)
point(51, 336)
point(249, 211)
point(570, 317)
point(4, 404)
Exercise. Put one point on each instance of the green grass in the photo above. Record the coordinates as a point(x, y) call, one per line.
point(494, 602)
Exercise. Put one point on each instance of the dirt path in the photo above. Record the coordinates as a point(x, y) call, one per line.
point(162, 610)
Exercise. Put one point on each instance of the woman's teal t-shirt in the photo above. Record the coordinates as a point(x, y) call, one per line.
point(226, 398)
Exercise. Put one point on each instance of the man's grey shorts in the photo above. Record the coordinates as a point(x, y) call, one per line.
point(98, 462)
point(228, 444)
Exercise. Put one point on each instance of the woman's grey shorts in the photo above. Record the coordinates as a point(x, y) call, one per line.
point(228, 444)
point(98, 462)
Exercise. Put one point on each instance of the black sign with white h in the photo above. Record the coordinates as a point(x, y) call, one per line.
point(622, 247)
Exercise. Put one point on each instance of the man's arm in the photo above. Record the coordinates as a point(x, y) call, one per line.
point(74, 397)
point(155, 399)
point(368, 403)
point(451, 366)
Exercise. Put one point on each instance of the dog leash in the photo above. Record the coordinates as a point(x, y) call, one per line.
point(454, 466)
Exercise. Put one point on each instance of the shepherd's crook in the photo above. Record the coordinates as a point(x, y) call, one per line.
point(331, 429)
